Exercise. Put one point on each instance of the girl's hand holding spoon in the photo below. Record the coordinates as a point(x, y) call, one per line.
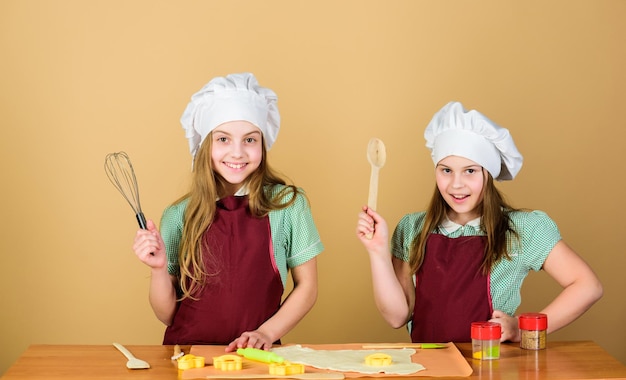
point(376, 155)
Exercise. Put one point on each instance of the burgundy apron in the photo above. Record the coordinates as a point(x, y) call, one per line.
point(451, 290)
point(247, 289)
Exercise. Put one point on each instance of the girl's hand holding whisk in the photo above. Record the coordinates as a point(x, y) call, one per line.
point(149, 246)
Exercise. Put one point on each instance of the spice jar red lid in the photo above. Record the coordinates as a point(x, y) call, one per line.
point(486, 330)
point(533, 321)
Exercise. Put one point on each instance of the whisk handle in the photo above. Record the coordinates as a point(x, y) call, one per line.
point(142, 223)
point(141, 219)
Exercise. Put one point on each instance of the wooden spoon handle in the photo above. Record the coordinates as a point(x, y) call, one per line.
point(302, 376)
point(373, 193)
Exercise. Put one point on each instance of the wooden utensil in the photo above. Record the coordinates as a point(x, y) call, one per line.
point(133, 362)
point(376, 155)
point(380, 346)
point(303, 376)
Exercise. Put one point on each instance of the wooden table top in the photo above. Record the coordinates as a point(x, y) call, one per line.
point(560, 360)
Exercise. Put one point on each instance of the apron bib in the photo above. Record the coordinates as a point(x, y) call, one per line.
point(451, 290)
point(243, 288)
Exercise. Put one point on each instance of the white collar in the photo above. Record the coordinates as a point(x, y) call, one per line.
point(242, 191)
point(450, 226)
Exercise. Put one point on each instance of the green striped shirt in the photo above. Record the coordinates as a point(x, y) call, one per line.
point(295, 238)
point(538, 234)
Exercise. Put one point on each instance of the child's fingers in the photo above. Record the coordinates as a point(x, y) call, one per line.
point(366, 224)
point(507, 323)
point(363, 230)
point(252, 339)
point(144, 251)
point(147, 246)
point(498, 314)
point(151, 226)
point(365, 219)
point(232, 346)
point(142, 238)
point(374, 215)
point(241, 342)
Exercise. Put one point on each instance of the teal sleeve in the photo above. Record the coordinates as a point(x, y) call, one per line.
point(300, 237)
point(405, 232)
point(171, 232)
point(295, 238)
point(538, 235)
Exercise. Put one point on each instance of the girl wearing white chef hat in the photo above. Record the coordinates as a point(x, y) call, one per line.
point(464, 259)
point(220, 263)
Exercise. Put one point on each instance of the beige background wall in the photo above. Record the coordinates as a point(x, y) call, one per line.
point(80, 79)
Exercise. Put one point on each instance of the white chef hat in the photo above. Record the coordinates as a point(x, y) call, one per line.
point(230, 98)
point(453, 131)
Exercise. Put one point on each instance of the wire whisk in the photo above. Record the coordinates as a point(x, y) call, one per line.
point(120, 171)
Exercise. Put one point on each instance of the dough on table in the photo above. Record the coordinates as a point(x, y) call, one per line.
point(350, 360)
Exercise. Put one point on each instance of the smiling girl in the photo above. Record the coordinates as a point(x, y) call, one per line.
point(464, 259)
point(221, 260)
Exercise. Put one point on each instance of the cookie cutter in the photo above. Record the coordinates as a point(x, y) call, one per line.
point(190, 361)
point(378, 359)
point(228, 362)
point(286, 369)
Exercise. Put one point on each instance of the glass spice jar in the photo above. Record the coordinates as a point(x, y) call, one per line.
point(533, 330)
point(486, 340)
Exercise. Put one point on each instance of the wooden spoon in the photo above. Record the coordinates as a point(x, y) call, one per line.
point(376, 155)
point(301, 376)
point(133, 362)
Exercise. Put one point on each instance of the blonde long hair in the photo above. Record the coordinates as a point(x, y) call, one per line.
point(205, 189)
point(495, 221)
